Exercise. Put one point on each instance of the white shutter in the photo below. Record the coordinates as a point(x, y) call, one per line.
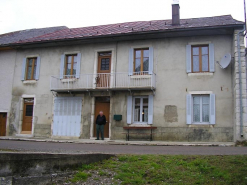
point(131, 60)
point(188, 108)
point(129, 110)
point(150, 109)
point(151, 60)
point(212, 108)
point(62, 66)
point(37, 68)
point(78, 67)
point(23, 69)
point(211, 57)
point(188, 58)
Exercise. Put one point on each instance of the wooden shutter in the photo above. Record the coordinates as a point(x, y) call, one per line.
point(78, 67)
point(188, 59)
point(212, 108)
point(188, 109)
point(131, 61)
point(129, 109)
point(37, 68)
point(62, 66)
point(211, 57)
point(151, 60)
point(150, 109)
point(23, 69)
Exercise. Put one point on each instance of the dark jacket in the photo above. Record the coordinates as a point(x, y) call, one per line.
point(101, 120)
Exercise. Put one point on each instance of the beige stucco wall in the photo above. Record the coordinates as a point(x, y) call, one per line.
point(173, 83)
point(7, 67)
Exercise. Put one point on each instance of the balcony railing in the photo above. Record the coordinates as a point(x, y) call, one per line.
point(113, 81)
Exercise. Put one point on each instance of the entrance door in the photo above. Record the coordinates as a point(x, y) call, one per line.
point(27, 116)
point(3, 118)
point(102, 104)
point(104, 70)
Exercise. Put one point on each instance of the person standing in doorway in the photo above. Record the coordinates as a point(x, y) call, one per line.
point(100, 123)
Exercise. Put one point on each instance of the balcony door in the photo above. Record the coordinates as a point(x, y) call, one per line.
point(104, 70)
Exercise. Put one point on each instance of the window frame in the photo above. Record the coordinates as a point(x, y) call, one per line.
point(33, 66)
point(141, 72)
point(200, 58)
point(72, 65)
point(141, 109)
point(192, 108)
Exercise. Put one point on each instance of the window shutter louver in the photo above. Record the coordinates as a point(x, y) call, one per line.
point(131, 60)
point(211, 57)
point(188, 59)
point(188, 108)
point(212, 108)
point(129, 109)
point(23, 70)
point(37, 68)
point(62, 66)
point(150, 109)
point(78, 67)
point(151, 60)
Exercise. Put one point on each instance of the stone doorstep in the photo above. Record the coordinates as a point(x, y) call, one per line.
point(121, 142)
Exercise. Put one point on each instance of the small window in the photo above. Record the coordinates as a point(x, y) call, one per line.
point(70, 66)
point(140, 113)
point(200, 59)
point(141, 61)
point(201, 106)
point(31, 66)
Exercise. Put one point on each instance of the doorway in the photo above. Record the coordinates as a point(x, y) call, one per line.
point(104, 70)
point(102, 104)
point(3, 119)
point(27, 116)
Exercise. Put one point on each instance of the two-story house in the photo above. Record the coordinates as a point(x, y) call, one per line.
point(162, 73)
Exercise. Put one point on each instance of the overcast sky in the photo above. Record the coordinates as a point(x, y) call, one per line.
point(26, 14)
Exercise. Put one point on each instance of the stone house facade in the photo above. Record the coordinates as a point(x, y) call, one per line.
point(153, 73)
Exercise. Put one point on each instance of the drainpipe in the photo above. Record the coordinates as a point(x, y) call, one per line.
point(240, 82)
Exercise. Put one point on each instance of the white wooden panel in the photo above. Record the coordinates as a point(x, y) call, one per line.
point(67, 116)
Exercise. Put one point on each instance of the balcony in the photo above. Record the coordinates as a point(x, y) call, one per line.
point(103, 81)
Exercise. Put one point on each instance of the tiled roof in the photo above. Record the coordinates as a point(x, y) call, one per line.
point(130, 28)
point(19, 36)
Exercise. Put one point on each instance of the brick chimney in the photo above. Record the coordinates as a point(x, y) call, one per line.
point(175, 12)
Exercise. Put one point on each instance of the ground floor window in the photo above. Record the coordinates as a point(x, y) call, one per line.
point(201, 108)
point(140, 109)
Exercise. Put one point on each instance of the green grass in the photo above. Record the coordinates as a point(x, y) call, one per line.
point(166, 169)
point(80, 176)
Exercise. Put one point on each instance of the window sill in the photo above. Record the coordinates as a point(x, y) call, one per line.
point(201, 74)
point(30, 82)
point(139, 125)
point(203, 125)
point(140, 76)
point(68, 80)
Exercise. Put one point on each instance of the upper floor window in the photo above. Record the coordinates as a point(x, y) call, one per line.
point(141, 61)
point(31, 66)
point(200, 59)
point(70, 65)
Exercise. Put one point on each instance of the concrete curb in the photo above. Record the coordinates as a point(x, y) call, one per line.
point(122, 142)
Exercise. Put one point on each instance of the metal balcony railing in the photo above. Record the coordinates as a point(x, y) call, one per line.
point(113, 81)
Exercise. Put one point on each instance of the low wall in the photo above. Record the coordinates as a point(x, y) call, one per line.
point(16, 165)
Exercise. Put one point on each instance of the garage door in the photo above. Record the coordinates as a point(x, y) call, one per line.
point(67, 116)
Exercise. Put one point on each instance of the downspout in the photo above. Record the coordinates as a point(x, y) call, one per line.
point(240, 82)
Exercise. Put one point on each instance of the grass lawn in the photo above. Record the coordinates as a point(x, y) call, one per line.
point(170, 169)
